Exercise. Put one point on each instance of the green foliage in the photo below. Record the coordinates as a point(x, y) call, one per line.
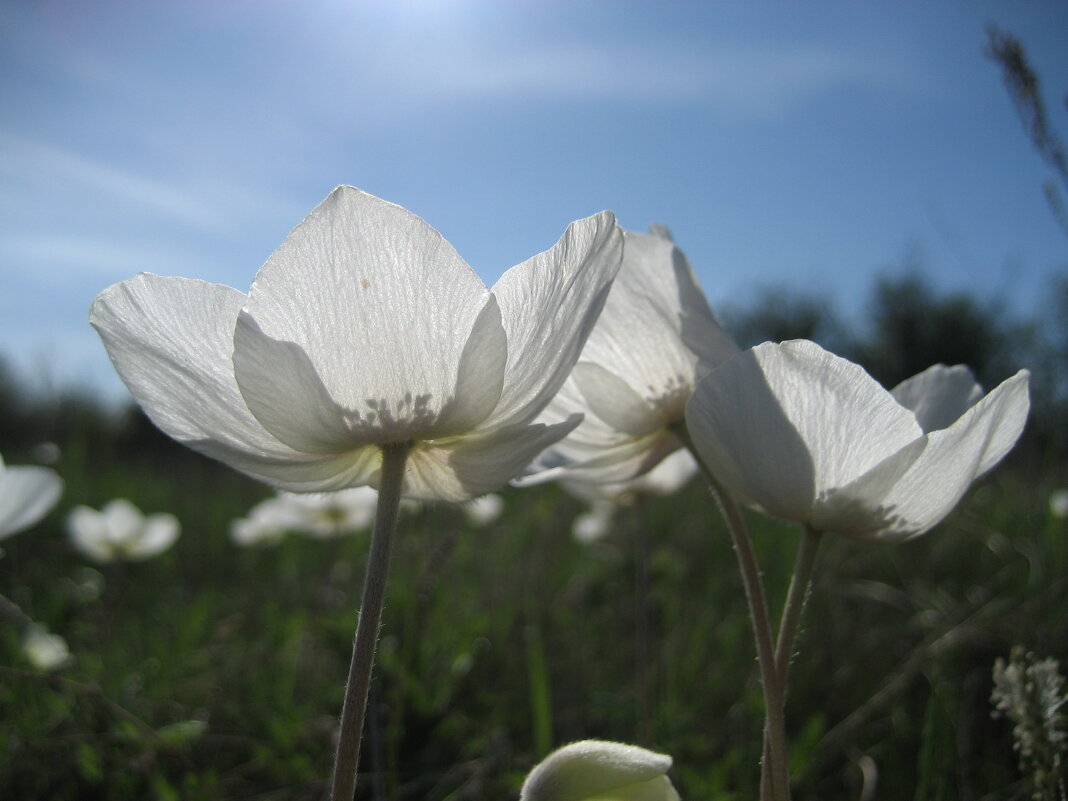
point(215, 671)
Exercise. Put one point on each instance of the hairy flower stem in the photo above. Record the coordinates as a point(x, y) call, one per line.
point(804, 566)
point(778, 788)
point(394, 457)
point(796, 595)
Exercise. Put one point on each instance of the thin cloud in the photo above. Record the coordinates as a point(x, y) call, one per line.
point(32, 163)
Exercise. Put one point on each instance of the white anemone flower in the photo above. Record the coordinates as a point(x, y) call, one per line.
point(27, 493)
point(654, 340)
point(120, 531)
point(267, 522)
point(665, 479)
point(364, 329)
point(484, 510)
point(329, 514)
point(596, 770)
point(44, 650)
point(1058, 503)
point(810, 437)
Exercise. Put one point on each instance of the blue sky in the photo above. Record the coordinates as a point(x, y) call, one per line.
point(806, 145)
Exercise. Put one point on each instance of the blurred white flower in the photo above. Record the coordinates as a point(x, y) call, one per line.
point(666, 478)
point(267, 522)
point(1058, 503)
point(46, 453)
point(26, 495)
point(120, 532)
point(655, 338)
point(595, 524)
point(484, 510)
point(329, 514)
point(807, 436)
point(595, 770)
point(365, 328)
point(45, 651)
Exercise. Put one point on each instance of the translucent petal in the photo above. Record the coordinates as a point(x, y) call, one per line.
point(159, 533)
point(593, 769)
point(783, 424)
point(954, 458)
point(380, 302)
point(301, 472)
point(548, 306)
point(467, 467)
point(26, 495)
point(938, 395)
point(171, 340)
point(610, 398)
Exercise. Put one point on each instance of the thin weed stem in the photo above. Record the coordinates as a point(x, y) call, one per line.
point(394, 458)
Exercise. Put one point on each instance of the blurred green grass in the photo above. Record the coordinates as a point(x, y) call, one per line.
point(504, 641)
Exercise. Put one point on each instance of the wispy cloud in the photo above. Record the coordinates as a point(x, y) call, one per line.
point(754, 80)
point(34, 163)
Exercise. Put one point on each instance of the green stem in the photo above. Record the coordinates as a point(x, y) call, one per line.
point(775, 726)
point(795, 600)
point(796, 596)
point(394, 457)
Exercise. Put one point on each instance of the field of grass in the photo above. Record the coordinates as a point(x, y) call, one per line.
point(214, 671)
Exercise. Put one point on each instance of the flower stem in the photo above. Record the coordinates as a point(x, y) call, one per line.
point(394, 457)
point(775, 726)
point(795, 600)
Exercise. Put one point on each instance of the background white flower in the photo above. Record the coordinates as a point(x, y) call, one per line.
point(1058, 503)
point(120, 531)
point(484, 510)
point(329, 514)
point(596, 770)
point(364, 328)
point(655, 338)
point(27, 493)
point(811, 437)
point(44, 650)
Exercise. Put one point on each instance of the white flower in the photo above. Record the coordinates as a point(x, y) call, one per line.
point(812, 438)
point(45, 651)
point(26, 495)
point(595, 770)
point(267, 522)
point(365, 328)
point(484, 510)
point(328, 514)
point(1058, 503)
point(666, 478)
point(594, 524)
point(119, 532)
point(653, 341)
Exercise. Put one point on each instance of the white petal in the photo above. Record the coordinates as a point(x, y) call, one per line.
point(26, 495)
point(782, 424)
point(938, 395)
point(300, 473)
point(593, 769)
point(159, 533)
point(88, 534)
point(609, 465)
point(123, 521)
point(379, 302)
point(954, 458)
point(283, 391)
point(610, 398)
point(467, 467)
point(548, 306)
point(171, 340)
